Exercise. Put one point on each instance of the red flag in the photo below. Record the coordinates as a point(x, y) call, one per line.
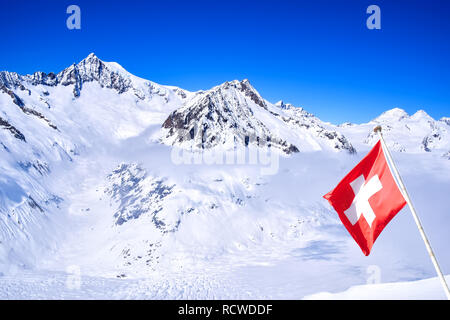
point(367, 198)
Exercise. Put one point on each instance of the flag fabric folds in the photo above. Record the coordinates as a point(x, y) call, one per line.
point(367, 198)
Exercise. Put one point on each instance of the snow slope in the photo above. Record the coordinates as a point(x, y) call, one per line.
point(427, 289)
point(130, 183)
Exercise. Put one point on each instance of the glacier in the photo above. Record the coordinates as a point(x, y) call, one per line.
point(90, 193)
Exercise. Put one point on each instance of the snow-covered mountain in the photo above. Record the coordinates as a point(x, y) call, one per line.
point(234, 113)
point(48, 122)
point(87, 175)
point(415, 133)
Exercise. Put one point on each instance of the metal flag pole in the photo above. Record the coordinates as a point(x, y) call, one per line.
point(377, 129)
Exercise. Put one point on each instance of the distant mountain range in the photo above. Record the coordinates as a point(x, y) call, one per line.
point(95, 119)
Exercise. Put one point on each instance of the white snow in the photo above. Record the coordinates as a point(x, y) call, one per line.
point(102, 195)
point(427, 289)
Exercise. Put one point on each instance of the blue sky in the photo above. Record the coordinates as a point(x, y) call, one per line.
point(316, 54)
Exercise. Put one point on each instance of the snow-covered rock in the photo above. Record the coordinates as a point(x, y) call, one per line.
point(234, 114)
point(227, 115)
point(403, 133)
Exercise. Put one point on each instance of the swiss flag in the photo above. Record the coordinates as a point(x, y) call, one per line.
point(367, 198)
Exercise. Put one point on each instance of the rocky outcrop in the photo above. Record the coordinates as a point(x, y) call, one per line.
point(15, 99)
point(93, 69)
point(88, 70)
point(222, 116)
point(35, 113)
point(137, 194)
point(446, 120)
point(300, 118)
point(13, 130)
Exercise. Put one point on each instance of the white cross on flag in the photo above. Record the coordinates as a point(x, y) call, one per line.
point(367, 198)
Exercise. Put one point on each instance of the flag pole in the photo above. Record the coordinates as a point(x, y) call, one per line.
point(377, 129)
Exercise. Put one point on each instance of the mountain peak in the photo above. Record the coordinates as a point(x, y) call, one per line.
point(236, 83)
point(224, 117)
point(107, 74)
point(287, 106)
point(421, 114)
point(90, 58)
point(445, 120)
point(393, 114)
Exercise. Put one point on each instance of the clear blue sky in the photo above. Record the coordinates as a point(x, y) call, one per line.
point(317, 54)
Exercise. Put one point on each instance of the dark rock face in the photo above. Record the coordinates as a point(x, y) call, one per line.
point(39, 166)
point(433, 139)
point(180, 93)
point(222, 116)
point(13, 130)
point(429, 140)
point(34, 205)
point(178, 120)
point(343, 143)
point(292, 149)
point(88, 70)
point(92, 69)
point(127, 183)
point(39, 115)
point(44, 78)
point(16, 100)
point(10, 80)
point(306, 120)
point(19, 102)
point(249, 91)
